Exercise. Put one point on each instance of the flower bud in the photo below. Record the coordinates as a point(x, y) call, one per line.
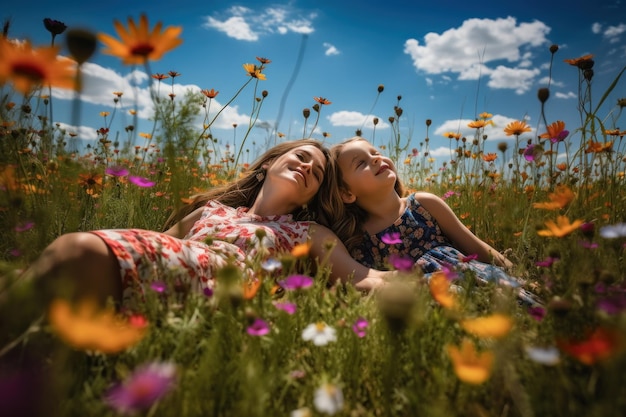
point(81, 43)
point(554, 48)
point(381, 88)
point(306, 113)
point(543, 94)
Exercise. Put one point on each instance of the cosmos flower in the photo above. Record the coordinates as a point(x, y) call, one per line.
point(516, 128)
point(495, 326)
point(439, 285)
point(328, 399)
point(251, 287)
point(319, 333)
point(145, 386)
point(559, 199)
point(141, 182)
point(254, 71)
point(210, 93)
point(138, 43)
point(401, 263)
point(452, 135)
point(359, 327)
point(470, 365)
point(296, 282)
point(30, 68)
point(322, 101)
point(301, 249)
point(258, 328)
point(289, 308)
point(555, 132)
point(479, 124)
point(561, 228)
point(116, 171)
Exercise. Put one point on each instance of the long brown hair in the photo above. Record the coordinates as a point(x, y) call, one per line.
point(348, 221)
point(243, 191)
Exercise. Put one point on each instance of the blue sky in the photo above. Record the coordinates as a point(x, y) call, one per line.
point(449, 60)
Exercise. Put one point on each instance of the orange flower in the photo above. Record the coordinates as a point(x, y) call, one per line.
point(251, 287)
point(615, 132)
point(160, 77)
point(601, 344)
point(301, 249)
point(561, 228)
point(440, 289)
point(495, 326)
point(560, 198)
point(485, 115)
point(254, 71)
point(490, 157)
point(92, 183)
point(452, 135)
point(138, 44)
point(87, 328)
point(210, 93)
point(562, 166)
point(478, 124)
point(553, 130)
point(578, 62)
point(597, 147)
point(516, 128)
point(469, 365)
point(30, 68)
point(263, 61)
point(322, 100)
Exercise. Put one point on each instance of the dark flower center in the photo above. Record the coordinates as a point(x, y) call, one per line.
point(32, 72)
point(143, 49)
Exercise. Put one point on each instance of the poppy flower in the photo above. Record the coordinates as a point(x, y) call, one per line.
point(561, 228)
point(138, 43)
point(495, 326)
point(88, 328)
point(516, 128)
point(559, 199)
point(30, 68)
point(470, 365)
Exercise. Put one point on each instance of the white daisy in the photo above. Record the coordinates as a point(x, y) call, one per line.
point(320, 333)
point(328, 399)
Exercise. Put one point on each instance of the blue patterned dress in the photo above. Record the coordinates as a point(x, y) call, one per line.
point(425, 244)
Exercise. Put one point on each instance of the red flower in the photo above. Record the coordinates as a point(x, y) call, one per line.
point(601, 344)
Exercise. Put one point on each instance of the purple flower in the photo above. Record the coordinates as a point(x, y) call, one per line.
point(613, 304)
point(529, 153)
point(538, 313)
point(547, 262)
point(258, 328)
point(296, 282)
point(142, 388)
point(613, 231)
point(289, 308)
point(116, 171)
point(560, 137)
point(391, 238)
point(208, 292)
point(141, 182)
point(588, 245)
point(158, 286)
point(24, 227)
point(401, 263)
point(359, 327)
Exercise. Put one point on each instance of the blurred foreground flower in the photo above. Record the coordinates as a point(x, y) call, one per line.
point(561, 228)
point(143, 388)
point(440, 289)
point(469, 365)
point(319, 333)
point(599, 345)
point(296, 282)
point(546, 356)
point(613, 231)
point(31, 68)
point(495, 326)
point(559, 199)
point(258, 328)
point(328, 399)
point(88, 328)
point(138, 44)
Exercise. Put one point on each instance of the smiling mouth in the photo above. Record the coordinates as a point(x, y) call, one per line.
point(382, 169)
point(303, 176)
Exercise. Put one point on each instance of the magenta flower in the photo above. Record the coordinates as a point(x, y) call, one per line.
point(289, 308)
point(469, 258)
point(588, 245)
point(142, 388)
point(391, 238)
point(141, 182)
point(359, 327)
point(560, 137)
point(401, 263)
point(158, 286)
point(529, 153)
point(208, 292)
point(538, 313)
point(296, 282)
point(258, 328)
point(116, 171)
point(547, 262)
point(24, 227)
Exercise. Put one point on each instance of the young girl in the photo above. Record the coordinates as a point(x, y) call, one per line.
point(378, 223)
point(221, 226)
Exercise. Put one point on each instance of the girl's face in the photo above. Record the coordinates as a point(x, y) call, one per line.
point(299, 172)
point(364, 170)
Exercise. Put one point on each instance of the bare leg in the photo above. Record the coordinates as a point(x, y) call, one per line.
point(78, 265)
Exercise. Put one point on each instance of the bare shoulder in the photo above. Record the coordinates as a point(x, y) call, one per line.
point(426, 198)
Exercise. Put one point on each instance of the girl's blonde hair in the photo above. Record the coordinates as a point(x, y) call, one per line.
point(243, 191)
point(348, 220)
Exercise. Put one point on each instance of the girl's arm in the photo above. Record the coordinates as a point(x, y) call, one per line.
point(183, 227)
point(462, 238)
point(326, 247)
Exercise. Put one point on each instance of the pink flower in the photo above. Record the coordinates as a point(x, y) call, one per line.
point(158, 286)
point(547, 262)
point(116, 171)
point(24, 227)
point(142, 388)
point(258, 328)
point(289, 308)
point(359, 327)
point(391, 238)
point(296, 282)
point(401, 263)
point(141, 182)
point(538, 313)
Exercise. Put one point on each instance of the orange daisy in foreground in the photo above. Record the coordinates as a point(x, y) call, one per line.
point(495, 326)
point(559, 199)
point(30, 68)
point(561, 228)
point(516, 128)
point(439, 285)
point(138, 44)
point(470, 365)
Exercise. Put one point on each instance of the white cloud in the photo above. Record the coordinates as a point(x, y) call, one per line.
point(470, 49)
point(518, 79)
point(355, 119)
point(330, 49)
point(82, 132)
point(567, 95)
point(242, 23)
point(596, 27)
point(612, 33)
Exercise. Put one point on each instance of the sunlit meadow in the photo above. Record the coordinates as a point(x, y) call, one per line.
point(292, 346)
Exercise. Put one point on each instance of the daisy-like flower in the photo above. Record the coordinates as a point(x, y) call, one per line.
point(141, 182)
point(319, 333)
point(391, 238)
point(613, 231)
point(559, 199)
point(254, 71)
point(296, 282)
point(322, 101)
point(470, 365)
point(452, 135)
point(555, 132)
point(490, 157)
point(328, 399)
point(580, 62)
point(30, 68)
point(258, 328)
point(148, 384)
point(210, 93)
point(87, 328)
point(516, 128)
point(561, 228)
point(495, 326)
point(533, 152)
point(138, 43)
point(55, 27)
point(479, 124)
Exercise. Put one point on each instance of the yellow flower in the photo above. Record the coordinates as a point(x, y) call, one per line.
point(478, 124)
point(560, 198)
point(301, 249)
point(496, 326)
point(452, 135)
point(561, 228)
point(469, 365)
point(29, 68)
point(254, 71)
point(485, 115)
point(86, 328)
point(516, 128)
point(490, 157)
point(440, 289)
point(138, 44)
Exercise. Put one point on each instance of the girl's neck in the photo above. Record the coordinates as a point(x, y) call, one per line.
point(382, 211)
